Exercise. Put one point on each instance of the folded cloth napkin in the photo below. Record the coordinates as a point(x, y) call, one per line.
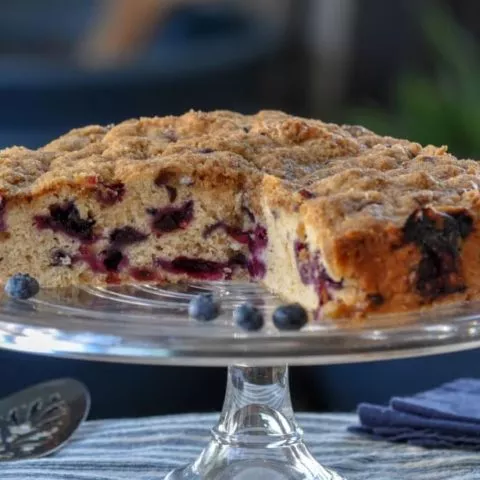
point(445, 417)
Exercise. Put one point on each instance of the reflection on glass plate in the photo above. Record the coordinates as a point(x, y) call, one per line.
point(149, 324)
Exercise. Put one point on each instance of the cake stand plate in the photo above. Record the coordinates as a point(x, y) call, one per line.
point(257, 436)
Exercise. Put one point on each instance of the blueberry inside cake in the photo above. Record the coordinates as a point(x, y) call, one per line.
point(337, 218)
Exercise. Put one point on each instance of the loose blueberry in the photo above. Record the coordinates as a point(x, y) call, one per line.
point(204, 307)
point(248, 317)
point(290, 317)
point(21, 286)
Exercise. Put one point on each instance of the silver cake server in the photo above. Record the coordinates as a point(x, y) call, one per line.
point(40, 419)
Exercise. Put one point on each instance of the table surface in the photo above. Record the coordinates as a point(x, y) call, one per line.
point(147, 448)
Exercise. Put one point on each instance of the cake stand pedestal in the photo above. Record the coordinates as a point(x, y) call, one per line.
point(256, 437)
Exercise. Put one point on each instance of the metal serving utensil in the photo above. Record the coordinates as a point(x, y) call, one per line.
point(40, 419)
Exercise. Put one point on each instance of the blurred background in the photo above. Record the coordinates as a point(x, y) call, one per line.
point(407, 68)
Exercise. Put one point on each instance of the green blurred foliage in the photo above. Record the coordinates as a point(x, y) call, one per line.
point(442, 108)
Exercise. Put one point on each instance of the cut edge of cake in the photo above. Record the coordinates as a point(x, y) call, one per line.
point(339, 219)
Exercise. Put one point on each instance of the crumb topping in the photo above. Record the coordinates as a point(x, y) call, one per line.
point(340, 176)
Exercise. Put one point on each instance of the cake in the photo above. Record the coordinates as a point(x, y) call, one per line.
point(337, 218)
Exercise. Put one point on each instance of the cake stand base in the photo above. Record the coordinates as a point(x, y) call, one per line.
point(257, 437)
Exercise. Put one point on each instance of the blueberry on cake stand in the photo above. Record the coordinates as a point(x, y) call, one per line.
point(256, 436)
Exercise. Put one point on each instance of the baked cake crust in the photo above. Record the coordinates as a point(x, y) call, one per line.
point(342, 220)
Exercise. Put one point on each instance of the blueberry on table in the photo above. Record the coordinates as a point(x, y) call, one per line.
point(204, 307)
point(248, 317)
point(21, 286)
point(290, 317)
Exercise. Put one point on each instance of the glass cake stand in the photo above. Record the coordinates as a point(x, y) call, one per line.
point(257, 436)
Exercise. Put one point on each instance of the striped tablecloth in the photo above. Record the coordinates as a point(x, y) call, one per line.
point(146, 449)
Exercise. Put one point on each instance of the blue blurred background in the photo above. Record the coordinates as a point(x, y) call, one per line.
point(404, 68)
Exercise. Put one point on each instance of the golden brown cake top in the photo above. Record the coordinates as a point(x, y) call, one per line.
point(347, 174)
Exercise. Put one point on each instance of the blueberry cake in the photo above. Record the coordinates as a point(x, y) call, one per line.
point(340, 219)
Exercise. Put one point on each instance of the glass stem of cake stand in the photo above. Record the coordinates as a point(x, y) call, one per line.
point(256, 437)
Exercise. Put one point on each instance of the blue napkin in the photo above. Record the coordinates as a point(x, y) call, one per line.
point(445, 417)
